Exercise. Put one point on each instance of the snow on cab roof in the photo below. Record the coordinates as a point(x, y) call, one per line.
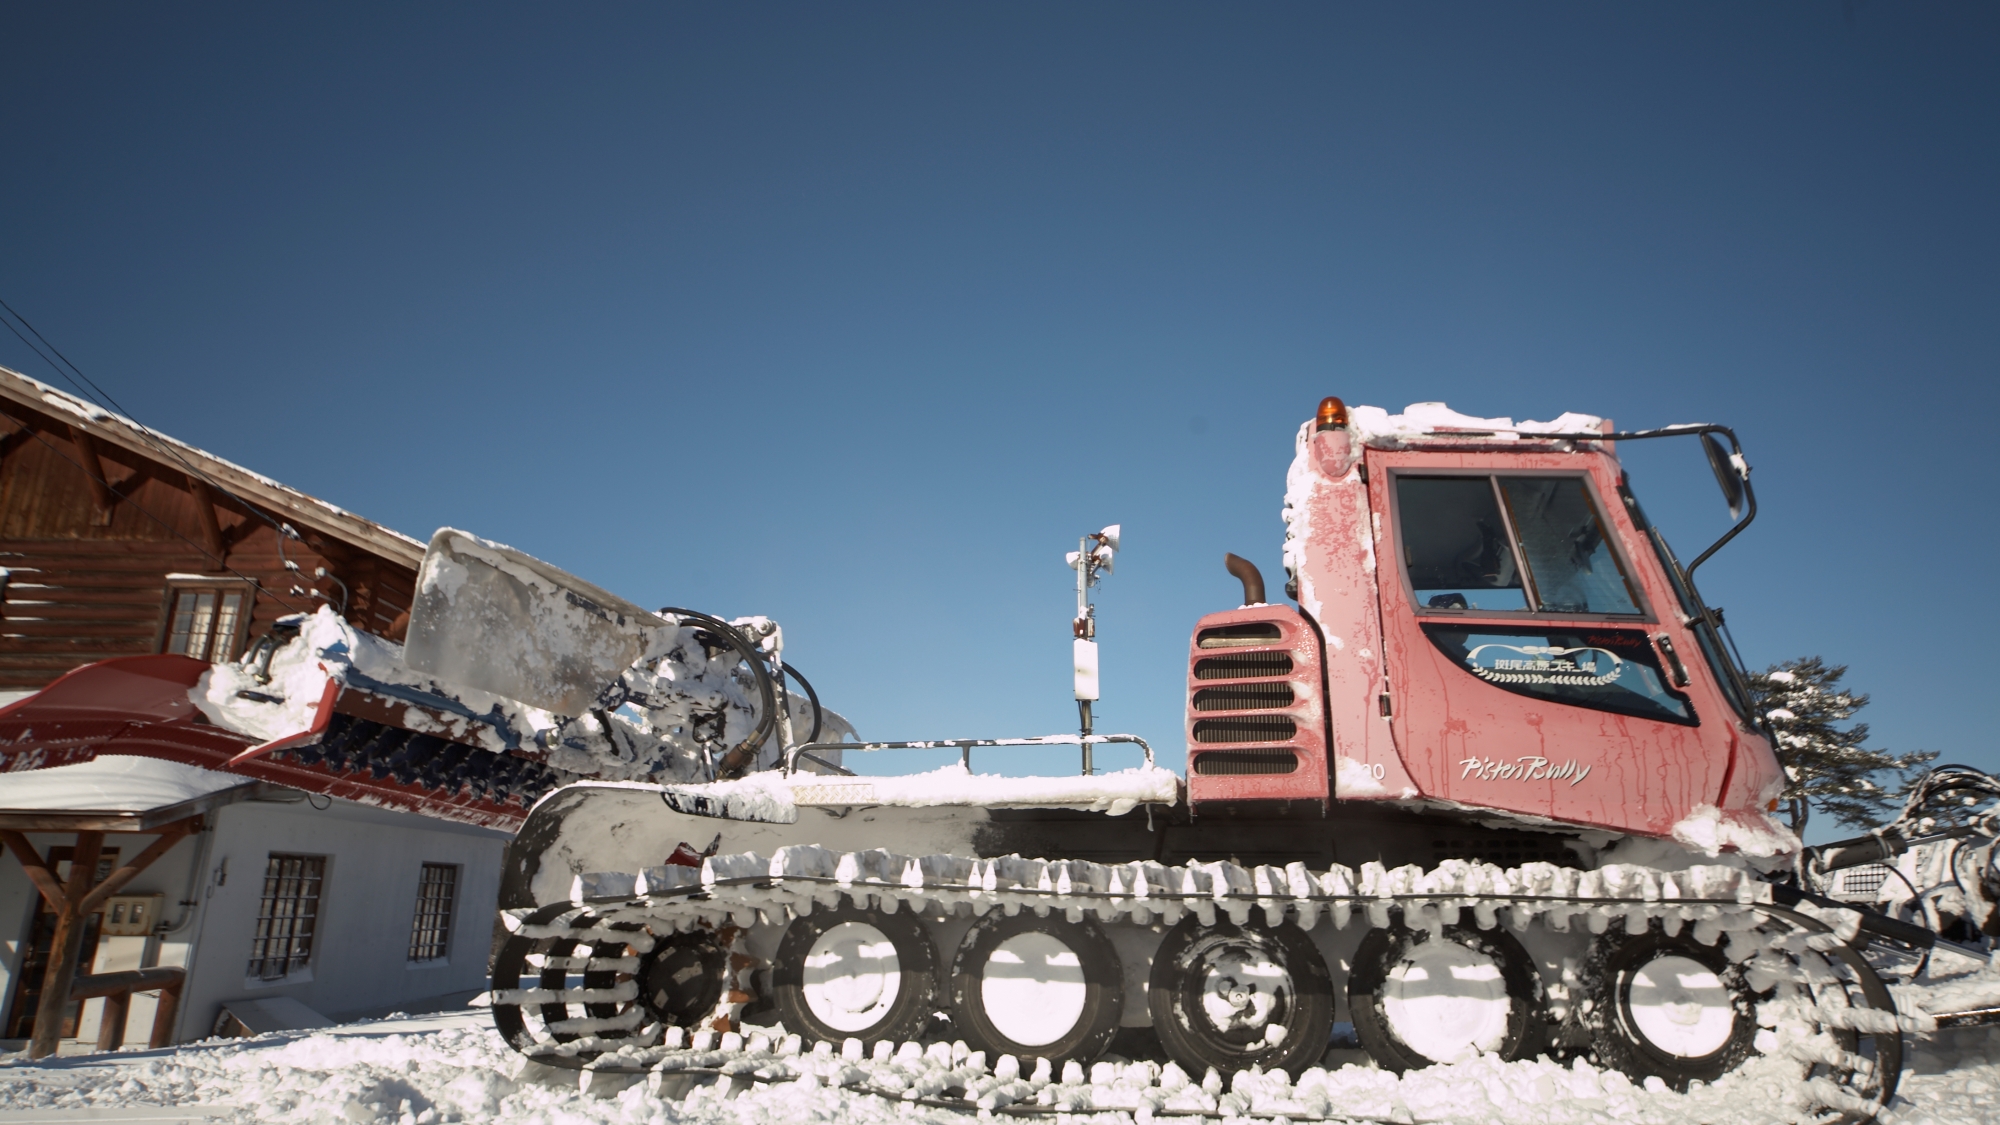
point(1435, 419)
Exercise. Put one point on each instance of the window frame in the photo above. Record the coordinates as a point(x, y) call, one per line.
point(178, 584)
point(446, 924)
point(253, 971)
point(1529, 582)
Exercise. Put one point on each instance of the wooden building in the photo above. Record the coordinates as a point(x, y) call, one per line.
point(116, 540)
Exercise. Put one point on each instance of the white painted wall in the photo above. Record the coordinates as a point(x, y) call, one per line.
point(360, 961)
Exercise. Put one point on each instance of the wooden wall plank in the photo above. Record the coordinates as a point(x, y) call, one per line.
point(80, 591)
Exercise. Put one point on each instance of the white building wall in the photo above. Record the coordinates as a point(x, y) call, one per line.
point(360, 960)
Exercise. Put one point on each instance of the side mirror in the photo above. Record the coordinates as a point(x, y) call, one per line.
point(1726, 474)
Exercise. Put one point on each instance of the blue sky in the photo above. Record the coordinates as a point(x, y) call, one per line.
point(858, 315)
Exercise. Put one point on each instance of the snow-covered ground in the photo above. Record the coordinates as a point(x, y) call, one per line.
point(453, 1068)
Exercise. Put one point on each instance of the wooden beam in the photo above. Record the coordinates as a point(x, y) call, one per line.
point(38, 870)
point(211, 527)
point(65, 946)
point(163, 1016)
point(131, 980)
point(111, 1022)
point(93, 467)
point(115, 882)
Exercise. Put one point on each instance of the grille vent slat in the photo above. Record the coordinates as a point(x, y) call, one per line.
point(1246, 728)
point(1240, 636)
point(1237, 763)
point(1243, 666)
point(1244, 697)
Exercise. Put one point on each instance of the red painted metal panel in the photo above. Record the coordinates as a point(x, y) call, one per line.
point(1236, 681)
point(1476, 744)
point(1331, 551)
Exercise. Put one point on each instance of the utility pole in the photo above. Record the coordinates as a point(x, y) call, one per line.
point(1091, 559)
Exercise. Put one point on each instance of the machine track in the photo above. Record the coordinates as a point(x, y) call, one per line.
point(652, 971)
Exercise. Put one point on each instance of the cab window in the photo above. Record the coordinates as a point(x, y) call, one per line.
point(1455, 543)
point(1509, 544)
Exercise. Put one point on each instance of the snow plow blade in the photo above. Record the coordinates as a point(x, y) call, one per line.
point(144, 706)
point(492, 618)
point(517, 677)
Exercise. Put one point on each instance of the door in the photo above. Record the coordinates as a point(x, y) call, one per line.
point(1526, 669)
point(20, 1022)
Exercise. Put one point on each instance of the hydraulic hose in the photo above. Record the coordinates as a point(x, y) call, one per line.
point(811, 695)
point(737, 758)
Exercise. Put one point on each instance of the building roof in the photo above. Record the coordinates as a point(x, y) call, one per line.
point(256, 488)
point(117, 793)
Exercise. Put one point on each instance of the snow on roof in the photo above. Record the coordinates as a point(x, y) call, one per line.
point(253, 486)
point(1426, 419)
point(114, 783)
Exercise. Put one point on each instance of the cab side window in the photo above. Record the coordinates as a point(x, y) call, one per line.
point(1455, 543)
point(1563, 540)
point(1509, 544)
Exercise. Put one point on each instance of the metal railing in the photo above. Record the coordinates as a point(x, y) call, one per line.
point(964, 747)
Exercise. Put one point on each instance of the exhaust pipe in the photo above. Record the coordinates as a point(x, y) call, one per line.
point(1247, 573)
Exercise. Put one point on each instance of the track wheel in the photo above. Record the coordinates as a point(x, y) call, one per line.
point(1419, 999)
point(583, 999)
point(680, 981)
point(1034, 986)
point(853, 973)
point(1668, 1007)
point(1233, 997)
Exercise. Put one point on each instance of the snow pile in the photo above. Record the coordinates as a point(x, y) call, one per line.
point(775, 797)
point(1710, 830)
point(438, 1070)
point(112, 784)
point(1975, 990)
point(233, 697)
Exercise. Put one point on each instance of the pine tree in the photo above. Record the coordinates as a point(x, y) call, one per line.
point(1827, 768)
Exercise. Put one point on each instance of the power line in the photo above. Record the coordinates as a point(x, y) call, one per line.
point(285, 531)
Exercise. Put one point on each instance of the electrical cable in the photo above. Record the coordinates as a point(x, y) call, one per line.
point(284, 530)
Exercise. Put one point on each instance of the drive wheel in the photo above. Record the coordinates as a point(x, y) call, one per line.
point(854, 973)
point(680, 981)
point(537, 982)
point(1668, 1007)
point(1233, 997)
point(1419, 999)
point(1033, 986)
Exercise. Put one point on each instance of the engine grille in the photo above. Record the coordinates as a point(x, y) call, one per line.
point(1246, 728)
point(1244, 697)
point(1243, 666)
point(1235, 763)
point(1240, 636)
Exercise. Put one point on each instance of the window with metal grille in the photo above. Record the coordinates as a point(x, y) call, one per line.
point(430, 934)
point(287, 915)
point(206, 621)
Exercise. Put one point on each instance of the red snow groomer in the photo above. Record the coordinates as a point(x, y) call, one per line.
point(1492, 785)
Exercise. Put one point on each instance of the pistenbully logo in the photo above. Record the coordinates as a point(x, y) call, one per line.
point(1528, 768)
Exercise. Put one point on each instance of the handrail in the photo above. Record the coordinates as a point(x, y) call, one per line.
point(964, 746)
